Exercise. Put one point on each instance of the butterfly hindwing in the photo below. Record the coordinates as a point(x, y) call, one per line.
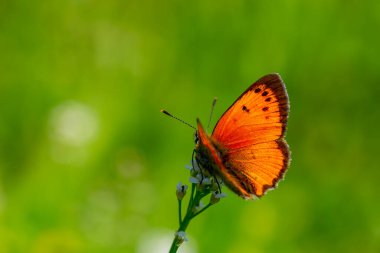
point(259, 166)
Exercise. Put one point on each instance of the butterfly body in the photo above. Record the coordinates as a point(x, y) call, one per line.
point(212, 158)
point(247, 149)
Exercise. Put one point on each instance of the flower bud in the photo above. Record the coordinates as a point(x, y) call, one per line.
point(199, 207)
point(181, 237)
point(215, 197)
point(181, 190)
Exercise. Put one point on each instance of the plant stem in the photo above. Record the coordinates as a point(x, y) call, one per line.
point(183, 223)
point(180, 211)
point(194, 201)
point(201, 211)
point(191, 197)
point(182, 227)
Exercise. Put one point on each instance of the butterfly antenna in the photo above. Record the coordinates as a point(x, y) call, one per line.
point(174, 117)
point(212, 110)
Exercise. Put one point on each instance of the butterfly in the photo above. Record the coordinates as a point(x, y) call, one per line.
point(247, 149)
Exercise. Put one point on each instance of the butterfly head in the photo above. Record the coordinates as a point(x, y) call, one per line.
point(196, 137)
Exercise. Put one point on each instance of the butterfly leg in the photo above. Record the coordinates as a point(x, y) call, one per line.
point(192, 158)
point(201, 172)
point(200, 168)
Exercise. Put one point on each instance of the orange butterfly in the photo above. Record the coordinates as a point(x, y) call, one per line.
point(247, 149)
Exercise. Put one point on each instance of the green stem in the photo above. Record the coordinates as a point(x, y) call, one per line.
point(191, 197)
point(180, 211)
point(182, 227)
point(201, 211)
point(183, 224)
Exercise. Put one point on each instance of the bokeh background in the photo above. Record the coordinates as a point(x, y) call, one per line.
point(89, 164)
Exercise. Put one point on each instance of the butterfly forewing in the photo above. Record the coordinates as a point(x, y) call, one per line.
point(261, 112)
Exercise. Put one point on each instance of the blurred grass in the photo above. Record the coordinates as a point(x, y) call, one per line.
point(88, 164)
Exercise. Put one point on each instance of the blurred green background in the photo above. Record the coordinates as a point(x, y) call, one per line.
point(89, 164)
